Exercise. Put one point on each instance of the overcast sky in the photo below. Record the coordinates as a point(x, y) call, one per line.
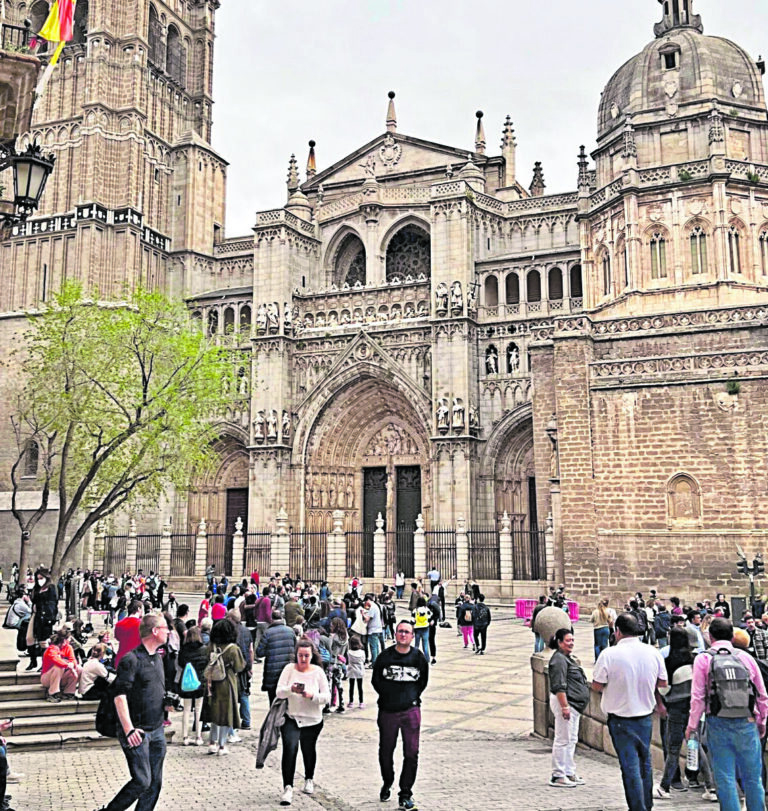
point(292, 70)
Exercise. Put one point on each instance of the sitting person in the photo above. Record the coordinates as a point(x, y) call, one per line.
point(60, 671)
point(78, 639)
point(95, 678)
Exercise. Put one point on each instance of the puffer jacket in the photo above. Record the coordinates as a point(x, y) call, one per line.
point(196, 654)
point(277, 648)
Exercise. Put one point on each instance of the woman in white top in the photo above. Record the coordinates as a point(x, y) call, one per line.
point(94, 677)
point(305, 686)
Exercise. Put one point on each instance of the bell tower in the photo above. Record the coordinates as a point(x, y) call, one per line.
point(678, 14)
point(137, 191)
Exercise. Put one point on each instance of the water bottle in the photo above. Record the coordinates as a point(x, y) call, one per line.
point(692, 758)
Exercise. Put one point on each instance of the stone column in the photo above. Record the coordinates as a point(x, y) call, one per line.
point(336, 561)
point(165, 549)
point(201, 548)
point(506, 555)
point(131, 546)
point(462, 552)
point(97, 553)
point(281, 543)
point(238, 549)
point(549, 541)
point(419, 548)
point(379, 550)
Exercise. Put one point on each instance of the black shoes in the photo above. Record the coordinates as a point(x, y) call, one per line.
point(408, 804)
point(385, 793)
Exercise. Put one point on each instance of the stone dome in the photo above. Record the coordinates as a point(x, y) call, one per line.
point(681, 73)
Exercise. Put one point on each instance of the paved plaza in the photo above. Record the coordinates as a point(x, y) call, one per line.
point(477, 753)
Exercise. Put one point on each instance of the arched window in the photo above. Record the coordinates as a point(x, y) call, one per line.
point(245, 318)
point(533, 285)
point(605, 265)
point(175, 65)
point(350, 261)
point(80, 26)
point(31, 458)
point(734, 250)
point(229, 321)
point(699, 251)
point(513, 359)
point(197, 317)
point(623, 259)
point(512, 285)
point(575, 277)
point(38, 14)
point(683, 500)
point(408, 253)
point(491, 291)
point(555, 284)
point(658, 255)
point(155, 38)
point(213, 323)
point(764, 252)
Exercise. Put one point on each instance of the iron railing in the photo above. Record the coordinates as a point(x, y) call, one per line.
point(182, 556)
point(307, 555)
point(399, 551)
point(441, 551)
point(484, 562)
point(360, 553)
point(148, 553)
point(115, 548)
point(529, 554)
point(219, 553)
point(15, 37)
point(256, 554)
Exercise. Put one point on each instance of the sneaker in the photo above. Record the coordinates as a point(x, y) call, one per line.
point(361, 705)
point(661, 793)
point(561, 782)
point(14, 777)
point(694, 784)
point(68, 697)
point(234, 738)
point(678, 787)
point(709, 794)
point(287, 797)
point(187, 741)
point(433, 662)
point(351, 705)
point(245, 727)
point(482, 653)
point(223, 750)
point(407, 804)
point(199, 741)
point(213, 749)
point(54, 698)
point(574, 778)
point(31, 666)
point(340, 709)
point(385, 793)
point(309, 786)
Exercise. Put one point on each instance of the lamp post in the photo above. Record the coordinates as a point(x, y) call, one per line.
point(31, 170)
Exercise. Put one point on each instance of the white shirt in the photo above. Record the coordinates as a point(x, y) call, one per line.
point(629, 671)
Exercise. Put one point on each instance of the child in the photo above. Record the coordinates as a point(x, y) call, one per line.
point(338, 643)
point(355, 670)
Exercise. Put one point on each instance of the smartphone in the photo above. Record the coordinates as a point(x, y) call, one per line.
point(299, 686)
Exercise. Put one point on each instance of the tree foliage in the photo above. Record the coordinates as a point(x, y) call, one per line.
point(119, 398)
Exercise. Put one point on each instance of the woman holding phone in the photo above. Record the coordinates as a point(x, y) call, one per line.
point(306, 688)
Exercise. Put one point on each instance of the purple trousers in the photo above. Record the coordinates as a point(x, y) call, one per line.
point(408, 722)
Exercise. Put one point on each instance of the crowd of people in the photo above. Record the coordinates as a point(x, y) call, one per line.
point(704, 676)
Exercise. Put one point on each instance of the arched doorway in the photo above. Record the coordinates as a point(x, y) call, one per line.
point(368, 454)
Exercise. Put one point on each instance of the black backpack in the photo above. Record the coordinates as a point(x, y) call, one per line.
point(106, 716)
point(662, 623)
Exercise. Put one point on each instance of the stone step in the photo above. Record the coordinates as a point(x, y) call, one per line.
point(46, 741)
point(78, 722)
point(21, 692)
point(37, 707)
point(19, 677)
point(8, 665)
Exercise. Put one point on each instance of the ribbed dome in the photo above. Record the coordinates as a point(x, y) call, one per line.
point(705, 69)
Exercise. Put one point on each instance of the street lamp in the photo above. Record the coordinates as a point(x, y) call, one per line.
point(30, 173)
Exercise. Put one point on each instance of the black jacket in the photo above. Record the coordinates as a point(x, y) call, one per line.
point(196, 654)
point(277, 648)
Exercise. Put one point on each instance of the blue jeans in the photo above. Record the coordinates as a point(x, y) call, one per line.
point(602, 637)
point(422, 639)
point(245, 710)
point(734, 746)
point(145, 763)
point(632, 741)
point(538, 643)
point(376, 642)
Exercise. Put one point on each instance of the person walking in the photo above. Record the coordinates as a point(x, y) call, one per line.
point(569, 696)
point(277, 650)
point(400, 676)
point(602, 620)
point(306, 688)
point(464, 621)
point(223, 708)
point(374, 626)
point(421, 618)
point(139, 691)
point(481, 619)
point(629, 676)
point(194, 653)
point(726, 682)
point(355, 671)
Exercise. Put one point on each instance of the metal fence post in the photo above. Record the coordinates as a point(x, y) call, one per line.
point(281, 543)
point(131, 546)
point(164, 565)
point(420, 548)
point(336, 561)
point(462, 550)
point(506, 561)
point(238, 550)
point(201, 548)
point(379, 550)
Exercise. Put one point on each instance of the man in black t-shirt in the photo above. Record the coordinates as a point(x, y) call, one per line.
point(139, 691)
point(400, 676)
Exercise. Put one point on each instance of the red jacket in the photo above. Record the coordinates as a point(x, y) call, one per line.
point(56, 656)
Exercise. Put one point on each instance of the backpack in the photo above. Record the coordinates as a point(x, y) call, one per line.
point(731, 692)
point(662, 623)
point(13, 619)
point(468, 615)
point(106, 715)
point(215, 670)
point(482, 616)
point(642, 619)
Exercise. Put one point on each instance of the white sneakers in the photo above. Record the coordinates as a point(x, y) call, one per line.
point(234, 738)
point(213, 749)
point(661, 793)
point(223, 751)
point(287, 797)
point(309, 786)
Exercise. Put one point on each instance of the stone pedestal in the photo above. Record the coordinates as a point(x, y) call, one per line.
point(336, 561)
point(419, 548)
point(379, 551)
point(201, 549)
point(131, 547)
point(165, 550)
point(281, 543)
point(462, 553)
point(238, 550)
point(506, 559)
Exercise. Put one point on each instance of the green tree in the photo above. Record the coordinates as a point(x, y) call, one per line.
point(116, 400)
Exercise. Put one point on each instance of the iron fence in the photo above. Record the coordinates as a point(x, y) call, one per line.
point(182, 556)
point(148, 553)
point(115, 547)
point(484, 561)
point(15, 37)
point(529, 558)
point(307, 555)
point(360, 553)
point(219, 553)
point(257, 553)
point(441, 551)
point(399, 551)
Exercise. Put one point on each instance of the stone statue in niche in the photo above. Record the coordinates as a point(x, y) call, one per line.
point(441, 297)
point(287, 318)
point(491, 361)
point(471, 299)
point(422, 310)
point(273, 317)
point(286, 426)
point(345, 319)
point(332, 320)
point(474, 418)
point(272, 425)
point(259, 427)
point(369, 167)
point(261, 319)
point(457, 299)
point(458, 414)
point(332, 492)
point(513, 359)
point(442, 415)
point(323, 489)
point(350, 491)
point(409, 311)
point(243, 382)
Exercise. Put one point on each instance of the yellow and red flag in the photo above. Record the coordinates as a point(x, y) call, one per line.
point(59, 26)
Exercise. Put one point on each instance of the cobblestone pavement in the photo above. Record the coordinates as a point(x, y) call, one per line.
point(477, 753)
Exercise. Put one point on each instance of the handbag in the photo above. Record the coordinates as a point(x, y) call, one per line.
point(189, 680)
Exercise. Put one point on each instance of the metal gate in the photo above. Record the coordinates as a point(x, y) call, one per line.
point(256, 555)
point(484, 563)
point(441, 551)
point(115, 547)
point(219, 553)
point(307, 555)
point(182, 556)
point(529, 558)
point(360, 553)
point(148, 553)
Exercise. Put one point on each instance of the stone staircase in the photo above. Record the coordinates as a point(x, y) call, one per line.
point(38, 724)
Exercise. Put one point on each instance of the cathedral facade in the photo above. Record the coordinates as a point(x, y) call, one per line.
point(575, 383)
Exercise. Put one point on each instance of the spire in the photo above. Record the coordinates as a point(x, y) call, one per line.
point(311, 165)
point(677, 14)
point(584, 183)
point(391, 115)
point(537, 184)
point(293, 175)
point(480, 134)
point(508, 148)
point(508, 134)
